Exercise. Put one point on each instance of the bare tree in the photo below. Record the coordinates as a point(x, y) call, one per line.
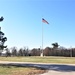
point(20, 52)
point(14, 51)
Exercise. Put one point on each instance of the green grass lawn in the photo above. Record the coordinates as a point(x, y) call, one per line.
point(13, 70)
point(38, 59)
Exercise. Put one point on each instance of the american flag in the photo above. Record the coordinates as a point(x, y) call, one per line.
point(43, 20)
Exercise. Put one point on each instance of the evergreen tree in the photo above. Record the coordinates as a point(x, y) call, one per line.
point(2, 38)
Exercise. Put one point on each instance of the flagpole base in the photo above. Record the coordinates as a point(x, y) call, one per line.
point(41, 55)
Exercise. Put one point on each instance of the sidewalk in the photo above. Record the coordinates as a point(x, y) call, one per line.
point(51, 72)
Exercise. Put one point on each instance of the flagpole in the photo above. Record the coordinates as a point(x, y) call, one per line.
point(42, 41)
point(43, 20)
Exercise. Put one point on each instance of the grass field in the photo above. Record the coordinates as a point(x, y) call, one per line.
point(11, 70)
point(38, 59)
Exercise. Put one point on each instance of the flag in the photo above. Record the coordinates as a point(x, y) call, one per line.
point(43, 20)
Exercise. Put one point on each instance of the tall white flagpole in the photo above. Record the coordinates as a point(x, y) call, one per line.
point(42, 41)
point(43, 20)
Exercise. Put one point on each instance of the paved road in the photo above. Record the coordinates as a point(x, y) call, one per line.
point(60, 70)
point(53, 69)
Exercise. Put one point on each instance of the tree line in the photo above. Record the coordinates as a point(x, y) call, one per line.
point(48, 51)
point(37, 51)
